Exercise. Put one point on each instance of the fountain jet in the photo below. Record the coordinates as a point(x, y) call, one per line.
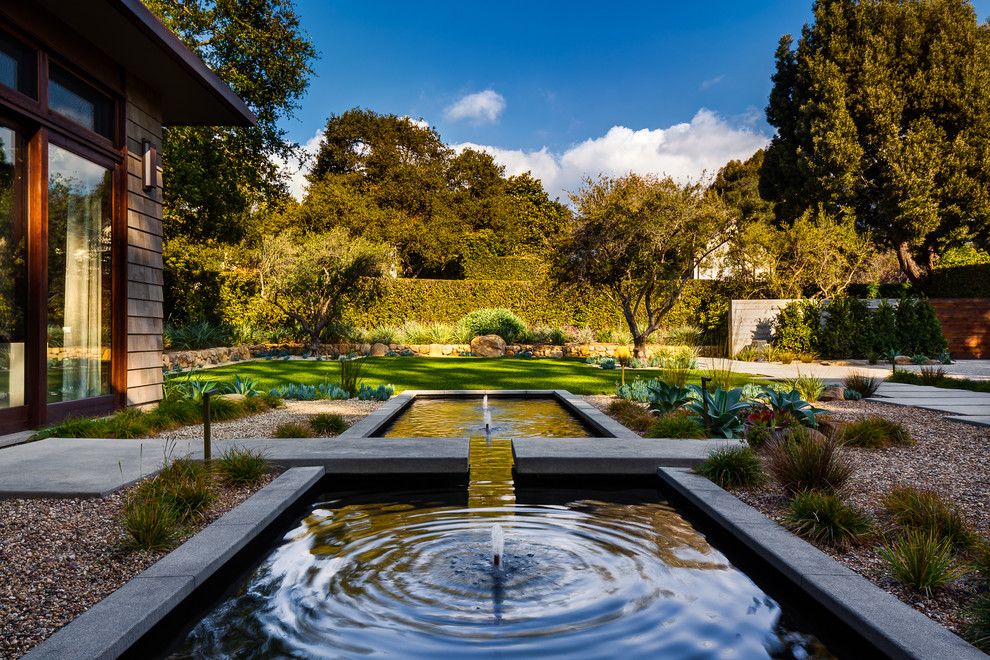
point(488, 420)
point(498, 545)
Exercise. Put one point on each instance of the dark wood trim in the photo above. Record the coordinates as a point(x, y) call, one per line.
point(36, 349)
point(119, 266)
point(104, 156)
point(14, 419)
point(97, 405)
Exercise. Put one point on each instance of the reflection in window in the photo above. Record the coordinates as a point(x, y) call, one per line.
point(12, 272)
point(79, 318)
point(17, 66)
point(74, 99)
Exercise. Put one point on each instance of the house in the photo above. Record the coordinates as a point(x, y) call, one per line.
point(85, 89)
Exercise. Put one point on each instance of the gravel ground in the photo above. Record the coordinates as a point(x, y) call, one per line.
point(263, 424)
point(59, 557)
point(948, 457)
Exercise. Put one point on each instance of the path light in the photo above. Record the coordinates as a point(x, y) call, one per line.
point(622, 354)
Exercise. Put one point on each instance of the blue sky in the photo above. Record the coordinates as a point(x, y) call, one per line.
point(543, 85)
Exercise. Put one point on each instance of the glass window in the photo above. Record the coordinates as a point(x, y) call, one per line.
point(13, 271)
point(18, 68)
point(79, 313)
point(75, 100)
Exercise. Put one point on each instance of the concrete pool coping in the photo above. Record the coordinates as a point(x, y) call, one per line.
point(893, 627)
point(608, 456)
point(112, 626)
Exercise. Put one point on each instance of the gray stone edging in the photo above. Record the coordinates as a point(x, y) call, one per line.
point(895, 628)
point(608, 456)
point(113, 625)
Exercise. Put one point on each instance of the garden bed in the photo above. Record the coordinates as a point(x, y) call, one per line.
point(59, 557)
point(950, 458)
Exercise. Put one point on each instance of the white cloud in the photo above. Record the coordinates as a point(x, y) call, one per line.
point(480, 107)
point(297, 168)
point(684, 151)
point(711, 82)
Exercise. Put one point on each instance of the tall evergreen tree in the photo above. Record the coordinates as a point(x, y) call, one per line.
point(883, 115)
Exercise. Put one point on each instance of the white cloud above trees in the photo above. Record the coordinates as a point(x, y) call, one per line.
point(685, 151)
point(480, 107)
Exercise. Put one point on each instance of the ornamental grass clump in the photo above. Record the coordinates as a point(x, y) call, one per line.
point(151, 523)
point(805, 460)
point(631, 415)
point(825, 519)
point(677, 424)
point(866, 385)
point(874, 432)
point(810, 387)
point(293, 430)
point(493, 321)
point(732, 467)
point(328, 424)
point(926, 510)
point(241, 466)
point(922, 560)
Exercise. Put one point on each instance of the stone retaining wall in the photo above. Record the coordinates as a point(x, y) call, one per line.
point(173, 360)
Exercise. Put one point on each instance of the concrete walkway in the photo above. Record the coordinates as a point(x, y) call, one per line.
point(88, 467)
point(959, 405)
point(973, 369)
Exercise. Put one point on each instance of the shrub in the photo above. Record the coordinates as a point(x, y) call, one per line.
point(790, 406)
point(921, 560)
point(841, 334)
point(497, 321)
point(810, 387)
point(380, 393)
point(242, 466)
point(875, 432)
point(631, 415)
point(732, 467)
point(719, 411)
point(328, 424)
point(851, 395)
point(749, 354)
point(807, 460)
point(978, 624)
point(128, 423)
point(196, 336)
point(637, 390)
point(866, 385)
point(883, 329)
point(918, 329)
point(676, 425)
point(791, 329)
point(912, 508)
point(293, 430)
point(151, 523)
point(825, 519)
point(807, 357)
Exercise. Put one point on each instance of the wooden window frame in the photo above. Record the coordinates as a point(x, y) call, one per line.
point(42, 126)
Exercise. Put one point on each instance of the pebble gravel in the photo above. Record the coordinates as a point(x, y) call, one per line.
point(59, 557)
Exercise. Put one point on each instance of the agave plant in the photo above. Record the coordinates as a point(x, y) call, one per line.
point(666, 398)
point(791, 403)
point(245, 386)
point(720, 411)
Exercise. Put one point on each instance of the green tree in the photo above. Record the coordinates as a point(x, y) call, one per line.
point(313, 278)
point(640, 238)
point(882, 114)
point(216, 177)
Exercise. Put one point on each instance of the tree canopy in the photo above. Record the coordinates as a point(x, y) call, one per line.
point(216, 176)
point(640, 239)
point(883, 116)
point(393, 180)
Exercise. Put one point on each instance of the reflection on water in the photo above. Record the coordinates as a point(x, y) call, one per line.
point(412, 576)
point(464, 418)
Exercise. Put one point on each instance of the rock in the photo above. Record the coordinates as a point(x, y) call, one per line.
point(436, 350)
point(902, 359)
point(378, 350)
point(834, 393)
point(488, 346)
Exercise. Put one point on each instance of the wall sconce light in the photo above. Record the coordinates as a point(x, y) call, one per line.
point(149, 165)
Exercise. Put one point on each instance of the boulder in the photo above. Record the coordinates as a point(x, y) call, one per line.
point(902, 359)
point(378, 350)
point(834, 393)
point(488, 346)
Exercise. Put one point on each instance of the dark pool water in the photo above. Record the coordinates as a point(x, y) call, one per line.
point(411, 576)
point(464, 417)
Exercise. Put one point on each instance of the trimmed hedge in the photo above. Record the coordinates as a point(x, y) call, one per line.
point(971, 281)
point(518, 269)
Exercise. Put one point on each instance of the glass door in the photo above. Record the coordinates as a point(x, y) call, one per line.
point(13, 272)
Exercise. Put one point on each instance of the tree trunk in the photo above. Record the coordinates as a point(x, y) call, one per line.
point(908, 265)
point(639, 346)
point(314, 344)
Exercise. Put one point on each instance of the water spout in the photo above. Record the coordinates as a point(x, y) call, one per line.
point(498, 545)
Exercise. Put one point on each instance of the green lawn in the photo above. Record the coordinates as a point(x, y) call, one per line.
point(423, 373)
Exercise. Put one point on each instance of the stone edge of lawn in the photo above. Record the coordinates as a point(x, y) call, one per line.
point(112, 626)
point(892, 626)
